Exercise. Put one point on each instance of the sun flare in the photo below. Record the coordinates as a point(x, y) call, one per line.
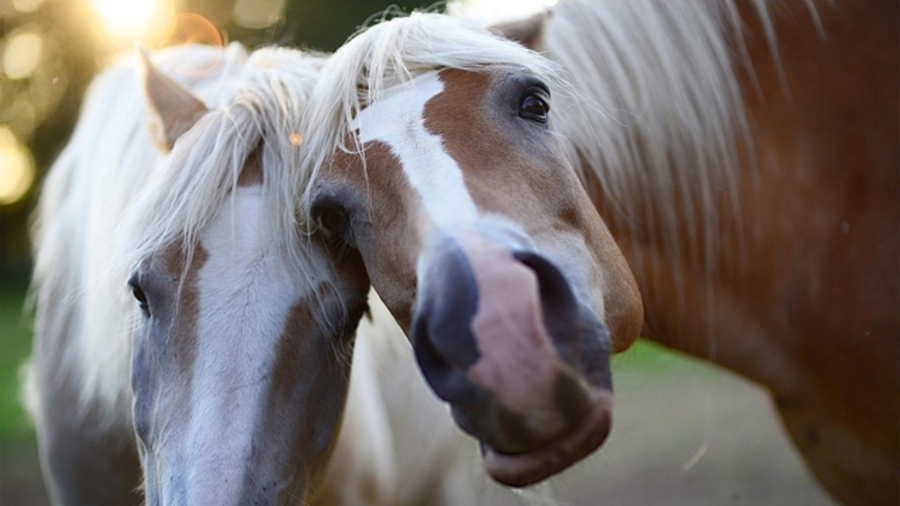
point(134, 19)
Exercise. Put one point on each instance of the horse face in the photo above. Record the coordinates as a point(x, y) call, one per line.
point(479, 238)
point(240, 363)
point(239, 371)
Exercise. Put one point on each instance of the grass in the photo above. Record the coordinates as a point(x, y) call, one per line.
point(15, 346)
point(646, 357)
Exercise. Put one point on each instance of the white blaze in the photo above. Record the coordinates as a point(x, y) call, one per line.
point(398, 120)
point(245, 295)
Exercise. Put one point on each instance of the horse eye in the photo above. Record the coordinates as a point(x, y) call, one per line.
point(534, 107)
point(139, 295)
point(331, 219)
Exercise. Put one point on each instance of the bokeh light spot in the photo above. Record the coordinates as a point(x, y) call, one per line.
point(257, 14)
point(16, 167)
point(22, 54)
point(26, 6)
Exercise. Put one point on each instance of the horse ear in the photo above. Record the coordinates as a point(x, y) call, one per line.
point(173, 109)
point(528, 32)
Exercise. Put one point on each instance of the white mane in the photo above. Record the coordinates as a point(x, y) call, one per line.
point(672, 111)
point(112, 198)
point(665, 118)
point(391, 53)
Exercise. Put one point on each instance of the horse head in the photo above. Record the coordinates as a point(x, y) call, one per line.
point(242, 351)
point(433, 157)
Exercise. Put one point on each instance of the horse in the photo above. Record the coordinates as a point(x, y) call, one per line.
point(512, 288)
point(748, 168)
point(193, 340)
point(692, 128)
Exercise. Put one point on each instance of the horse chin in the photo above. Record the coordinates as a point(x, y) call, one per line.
point(528, 468)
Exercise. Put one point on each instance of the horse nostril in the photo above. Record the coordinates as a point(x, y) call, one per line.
point(581, 339)
point(448, 380)
point(558, 303)
point(442, 337)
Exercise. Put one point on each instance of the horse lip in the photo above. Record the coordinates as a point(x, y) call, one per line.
point(528, 468)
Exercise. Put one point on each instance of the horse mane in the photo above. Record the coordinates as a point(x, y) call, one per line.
point(655, 112)
point(659, 118)
point(112, 199)
point(389, 54)
point(262, 112)
point(664, 110)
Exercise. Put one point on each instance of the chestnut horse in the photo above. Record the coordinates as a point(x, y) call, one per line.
point(433, 157)
point(747, 163)
point(745, 158)
point(225, 381)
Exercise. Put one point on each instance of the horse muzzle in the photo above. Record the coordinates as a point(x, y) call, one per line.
point(501, 336)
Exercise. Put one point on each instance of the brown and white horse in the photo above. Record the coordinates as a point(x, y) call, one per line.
point(476, 233)
point(745, 159)
point(225, 381)
point(747, 163)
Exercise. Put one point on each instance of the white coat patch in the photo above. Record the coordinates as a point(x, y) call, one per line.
point(398, 120)
point(245, 297)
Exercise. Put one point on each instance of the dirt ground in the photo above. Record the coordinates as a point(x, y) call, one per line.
point(684, 435)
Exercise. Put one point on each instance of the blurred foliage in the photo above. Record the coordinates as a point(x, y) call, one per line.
point(15, 345)
point(50, 50)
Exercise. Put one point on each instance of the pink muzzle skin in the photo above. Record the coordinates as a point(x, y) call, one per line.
point(500, 335)
point(563, 417)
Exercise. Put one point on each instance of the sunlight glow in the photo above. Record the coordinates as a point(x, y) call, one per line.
point(16, 167)
point(133, 19)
